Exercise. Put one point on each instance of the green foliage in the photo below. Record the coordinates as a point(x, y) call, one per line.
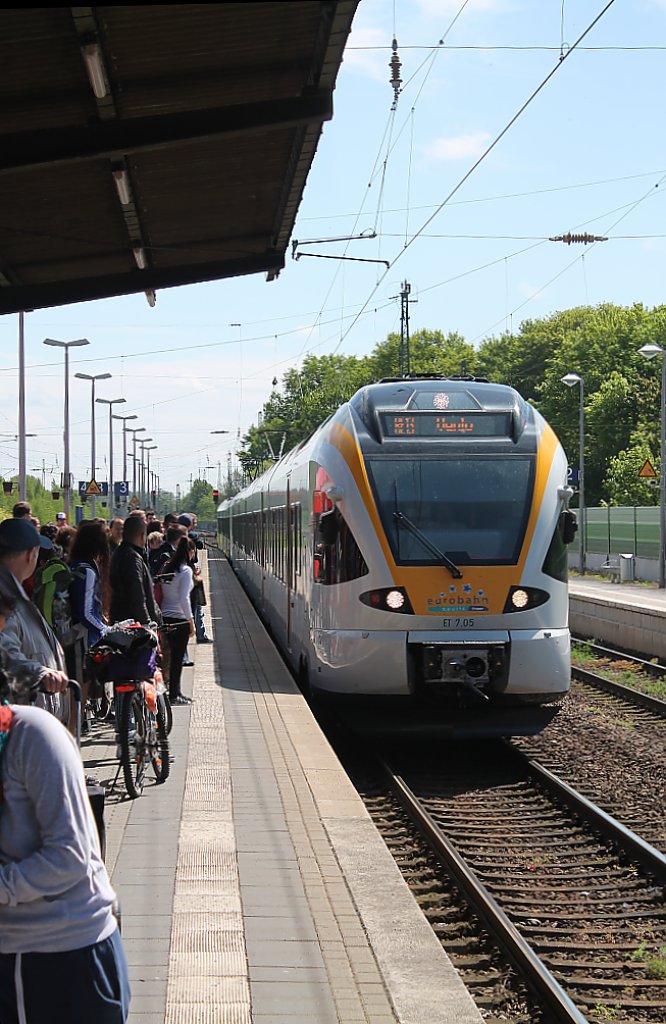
point(44, 506)
point(430, 352)
point(601, 343)
point(200, 500)
point(623, 484)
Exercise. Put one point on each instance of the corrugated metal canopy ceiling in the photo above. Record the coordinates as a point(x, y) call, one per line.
point(144, 147)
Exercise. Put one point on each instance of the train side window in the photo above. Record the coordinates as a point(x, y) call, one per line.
point(337, 556)
point(556, 563)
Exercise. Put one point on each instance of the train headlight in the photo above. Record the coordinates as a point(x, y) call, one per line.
point(389, 599)
point(522, 599)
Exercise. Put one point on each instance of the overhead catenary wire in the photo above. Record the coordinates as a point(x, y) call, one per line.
point(480, 160)
point(629, 208)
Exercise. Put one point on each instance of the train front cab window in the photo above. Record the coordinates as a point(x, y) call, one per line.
point(474, 509)
point(337, 556)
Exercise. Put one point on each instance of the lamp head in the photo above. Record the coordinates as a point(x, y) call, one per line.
point(66, 344)
point(571, 379)
point(651, 350)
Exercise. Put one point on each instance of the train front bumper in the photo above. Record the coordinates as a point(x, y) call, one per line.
point(525, 665)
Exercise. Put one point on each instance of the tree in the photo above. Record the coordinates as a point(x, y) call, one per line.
point(623, 484)
point(200, 500)
point(430, 352)
point(307, 397)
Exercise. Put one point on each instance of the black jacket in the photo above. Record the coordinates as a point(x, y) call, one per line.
point(132, 594)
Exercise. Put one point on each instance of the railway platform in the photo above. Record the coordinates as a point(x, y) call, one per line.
point(631, 616)
point(254, 886)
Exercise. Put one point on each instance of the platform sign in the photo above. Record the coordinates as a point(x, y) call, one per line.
point(573, 475)
point(93, 489)
point(120, 489)
point(647, 471)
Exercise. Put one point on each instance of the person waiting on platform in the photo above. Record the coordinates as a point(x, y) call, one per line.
point(177, 582)
point(22, 510)
point(132, 594)
point(115, 533)
point(28, 643)
point(90, 567)
point(61, 956)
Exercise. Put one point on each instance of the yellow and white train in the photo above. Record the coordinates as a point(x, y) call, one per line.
point(414, 547)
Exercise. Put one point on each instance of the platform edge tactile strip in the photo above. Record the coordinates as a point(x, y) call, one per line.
point(208, 979)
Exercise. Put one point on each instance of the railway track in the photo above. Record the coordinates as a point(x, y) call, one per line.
point(627, 693)
point(574, 900)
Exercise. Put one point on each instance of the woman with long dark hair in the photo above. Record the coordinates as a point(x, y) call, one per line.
point(176, 579)
point(89, 561)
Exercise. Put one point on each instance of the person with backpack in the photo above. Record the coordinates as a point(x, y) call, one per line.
point(28, 643)
point(50, 592)
point(89, 566)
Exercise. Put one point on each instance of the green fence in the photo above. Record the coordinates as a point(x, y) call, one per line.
point(616, 530)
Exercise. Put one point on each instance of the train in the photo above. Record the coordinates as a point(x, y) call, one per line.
point(412, 553)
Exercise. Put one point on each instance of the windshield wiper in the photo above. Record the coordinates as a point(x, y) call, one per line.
point(402, 520)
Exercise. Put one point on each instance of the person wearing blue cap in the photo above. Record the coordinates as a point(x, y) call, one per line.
point(29, 648)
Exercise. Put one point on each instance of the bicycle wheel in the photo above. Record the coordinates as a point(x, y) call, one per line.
point(168, 712)
point(133, 742)
point(159, 752)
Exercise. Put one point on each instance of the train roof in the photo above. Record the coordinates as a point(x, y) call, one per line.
point(453, 394)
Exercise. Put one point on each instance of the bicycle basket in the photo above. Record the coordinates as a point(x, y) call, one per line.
point(124, 652)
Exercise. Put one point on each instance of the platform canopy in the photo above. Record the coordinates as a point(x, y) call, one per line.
point(144, 147)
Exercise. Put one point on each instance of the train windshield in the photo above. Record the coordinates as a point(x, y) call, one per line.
point(474, 510)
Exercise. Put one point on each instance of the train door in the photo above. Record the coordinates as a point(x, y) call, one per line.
point(289, 568)
point(262, 549)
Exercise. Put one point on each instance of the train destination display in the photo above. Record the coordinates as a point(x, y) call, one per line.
point(446, 424)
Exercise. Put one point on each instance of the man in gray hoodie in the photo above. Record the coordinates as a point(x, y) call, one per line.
point(29, 649)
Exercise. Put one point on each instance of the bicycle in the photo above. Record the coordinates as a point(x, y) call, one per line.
point(126, 655)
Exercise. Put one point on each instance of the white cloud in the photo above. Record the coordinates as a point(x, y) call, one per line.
point(458, 147)
point(529, 291)
point(371, 62)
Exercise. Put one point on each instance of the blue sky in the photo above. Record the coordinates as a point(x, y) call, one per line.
point(586, 155)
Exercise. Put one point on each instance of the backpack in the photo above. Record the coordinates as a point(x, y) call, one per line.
point(51, 595)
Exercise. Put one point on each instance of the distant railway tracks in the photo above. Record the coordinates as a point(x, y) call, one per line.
point(573, 899)
point(630, 695)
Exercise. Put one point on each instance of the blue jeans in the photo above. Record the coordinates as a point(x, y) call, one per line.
point(199, 626)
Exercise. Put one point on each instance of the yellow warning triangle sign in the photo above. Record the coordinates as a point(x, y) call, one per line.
point(648, 470)
point(93, 488)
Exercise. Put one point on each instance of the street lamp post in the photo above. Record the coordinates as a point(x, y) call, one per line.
point(134, 431)
point(67, 476)
point(571, 379)
point(126, 430)
point(111, 402)
point(148, 448)
point(142, 479)
point(649, 352)
point(93, 378)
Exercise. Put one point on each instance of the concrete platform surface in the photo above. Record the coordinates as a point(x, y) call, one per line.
point(255, 888)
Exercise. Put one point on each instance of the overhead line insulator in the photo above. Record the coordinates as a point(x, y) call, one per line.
point(573, 239)
point(395, 66)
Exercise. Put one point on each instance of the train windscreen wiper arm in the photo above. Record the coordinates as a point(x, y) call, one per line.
point(402, 520)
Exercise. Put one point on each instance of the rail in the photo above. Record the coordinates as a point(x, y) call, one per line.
point(613, 885)
point(494, 918)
